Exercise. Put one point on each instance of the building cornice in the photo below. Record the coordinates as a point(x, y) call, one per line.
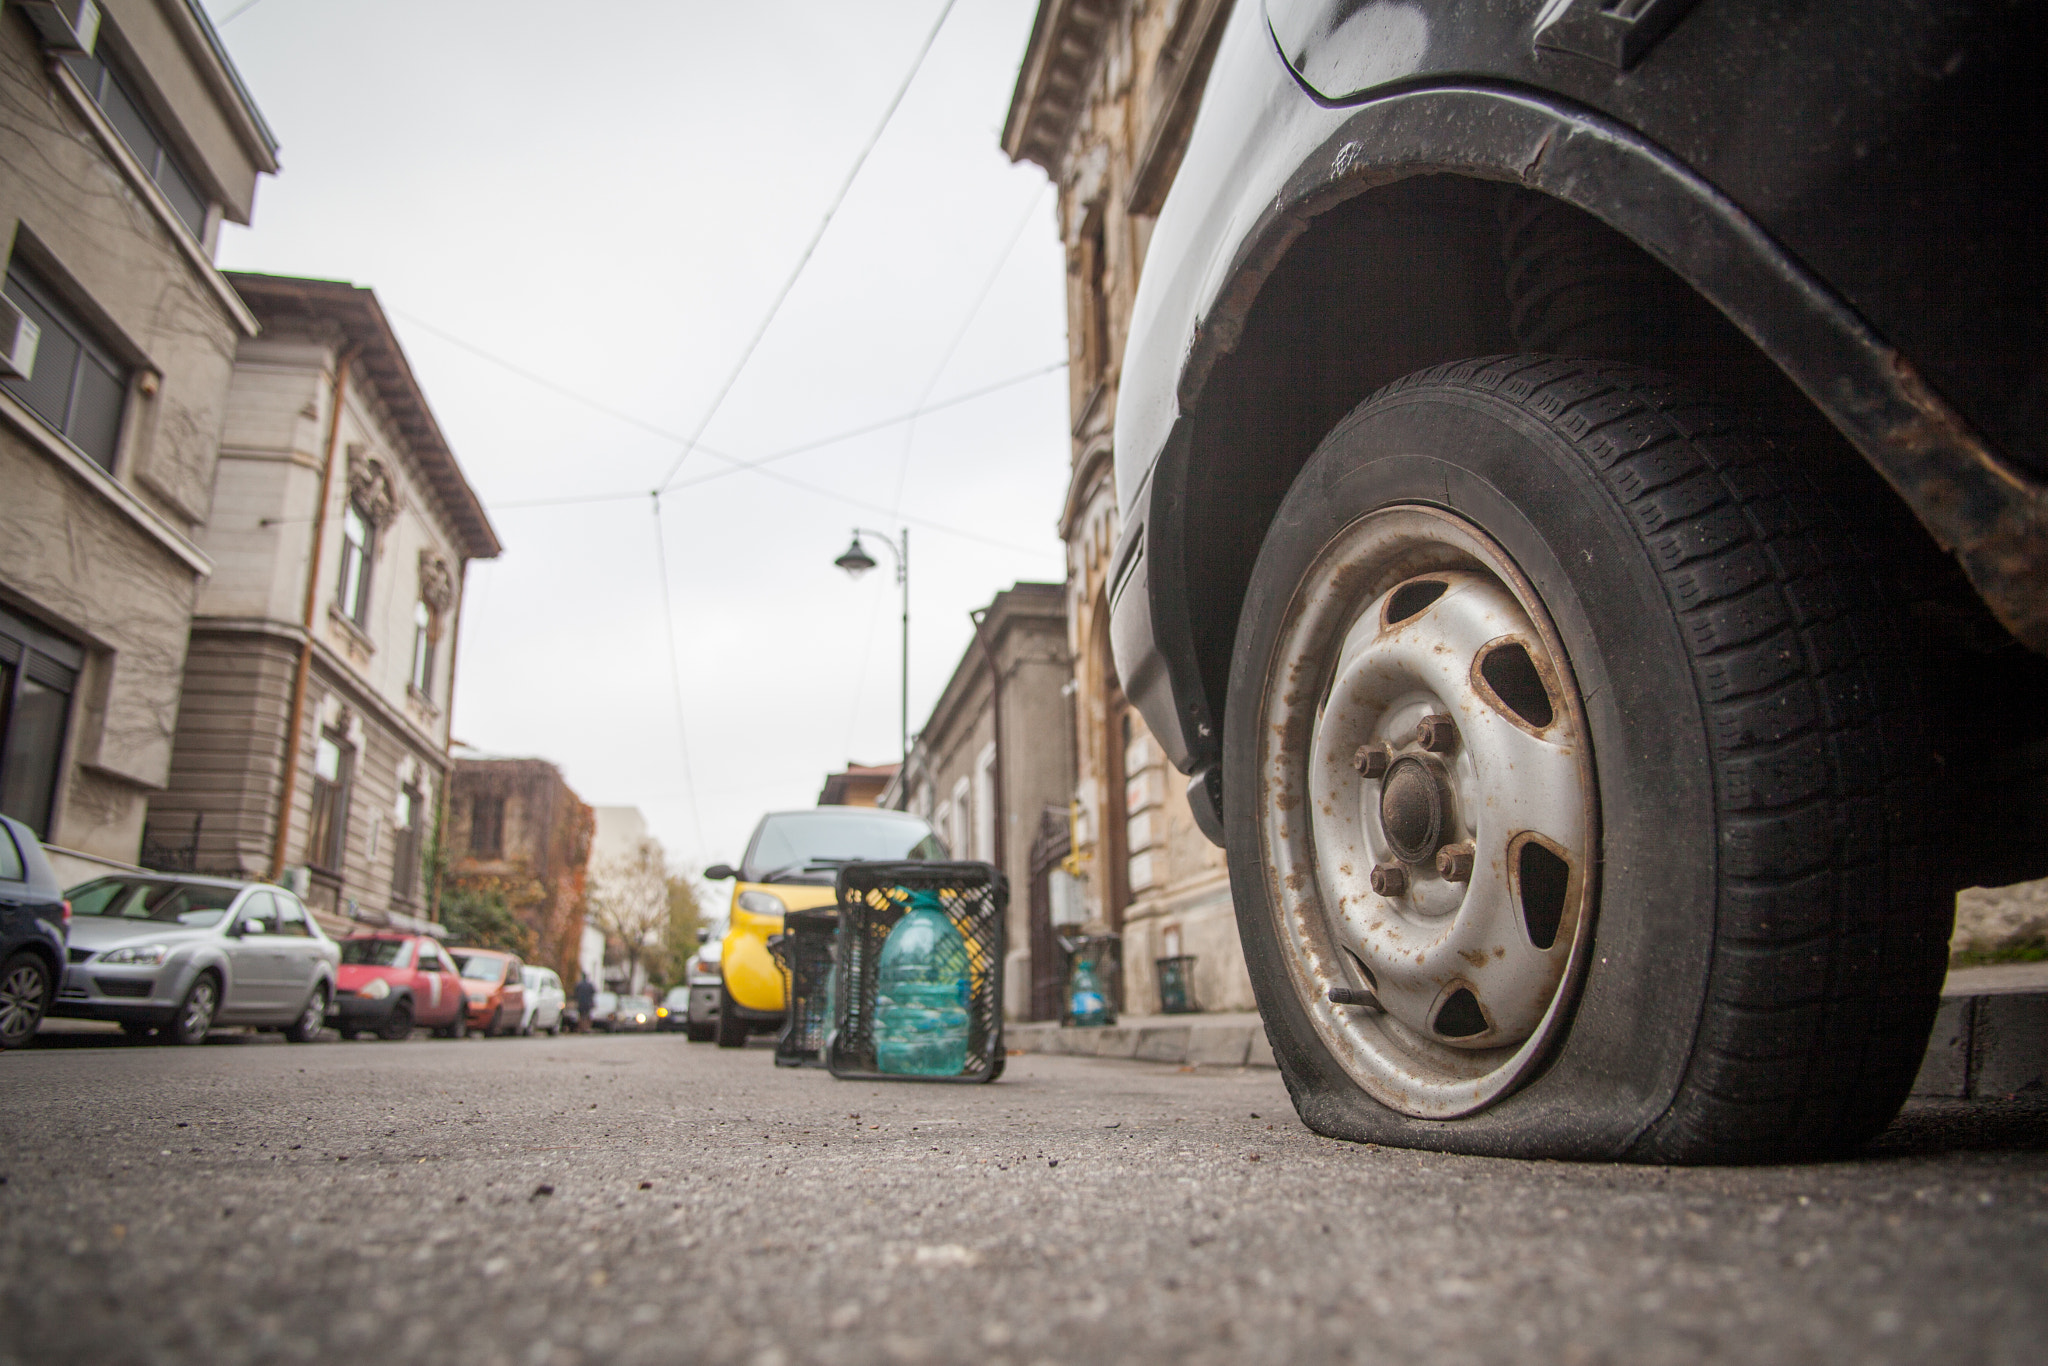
point(202, 42)
point(1089, 470)
point(282, 301)
point(1052, 81)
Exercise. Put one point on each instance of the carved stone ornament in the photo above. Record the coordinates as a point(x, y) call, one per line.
point(437, 581)
point(371, 487)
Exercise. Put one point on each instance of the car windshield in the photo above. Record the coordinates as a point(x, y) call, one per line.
point(179, 903)
point(677, 998)
point(806, 846)
point(637, 1005)
point(373, 953)
point(606, 1000)
point(478, 968)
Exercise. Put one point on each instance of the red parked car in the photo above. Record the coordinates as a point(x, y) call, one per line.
point(497, 992)
point(388, 983)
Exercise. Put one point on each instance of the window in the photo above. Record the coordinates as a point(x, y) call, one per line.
point(487, 827)
point(423, 649)
point(405, 859)
point(114, 95)
point(77, 386)
point(11, 869)
point(38, 673)
point(333, 765)
point(259, 914)
point(291, 917)
point(358, 540)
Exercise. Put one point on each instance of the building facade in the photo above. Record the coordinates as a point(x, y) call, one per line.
point(125, 146)
point(312, 735)
point(1104, 101)
point(994, 756)
point(856, 785)
point(516, 831)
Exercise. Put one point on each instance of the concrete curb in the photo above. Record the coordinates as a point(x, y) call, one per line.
point(1990, 1037)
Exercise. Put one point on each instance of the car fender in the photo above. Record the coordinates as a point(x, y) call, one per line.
point(1208, 272)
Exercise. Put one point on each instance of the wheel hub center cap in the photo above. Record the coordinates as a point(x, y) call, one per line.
point(1414, 809)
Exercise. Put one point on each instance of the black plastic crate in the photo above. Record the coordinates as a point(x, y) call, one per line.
point(804, 951)
point(872, 898)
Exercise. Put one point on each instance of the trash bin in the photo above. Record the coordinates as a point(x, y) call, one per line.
point(805, 952)
point(1177, 984)
point(873, 897)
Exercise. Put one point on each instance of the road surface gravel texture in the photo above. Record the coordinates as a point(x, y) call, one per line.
point(640, 1200)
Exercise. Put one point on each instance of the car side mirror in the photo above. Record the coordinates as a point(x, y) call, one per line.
point(703, 934)
point(720, 872)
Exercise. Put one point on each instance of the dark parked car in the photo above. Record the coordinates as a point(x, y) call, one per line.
point(1582, 469)
point(34, 917)
point(390, 983)
point(176, 955)
point(673, 1012)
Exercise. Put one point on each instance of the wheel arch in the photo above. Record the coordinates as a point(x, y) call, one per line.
point(1382, 256)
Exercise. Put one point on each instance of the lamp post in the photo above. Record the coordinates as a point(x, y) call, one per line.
point(856, 562)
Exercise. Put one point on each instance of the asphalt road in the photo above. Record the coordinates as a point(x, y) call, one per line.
point(641, 1199)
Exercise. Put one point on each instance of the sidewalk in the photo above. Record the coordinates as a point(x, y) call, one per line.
point(1990, 1037)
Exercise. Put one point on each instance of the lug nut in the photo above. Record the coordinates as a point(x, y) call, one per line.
point(1389, 879)
point(1371, 761)
point(1436, 733)
point(1454, 863)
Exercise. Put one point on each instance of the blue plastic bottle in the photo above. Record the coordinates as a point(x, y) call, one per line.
point(921, 990)
point(1087, 1003)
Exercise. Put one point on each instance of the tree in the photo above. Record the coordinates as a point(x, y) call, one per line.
point(679, 940)
point(629, 904)
point(477, 913)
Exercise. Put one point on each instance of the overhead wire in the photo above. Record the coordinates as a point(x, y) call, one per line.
point(805, 259)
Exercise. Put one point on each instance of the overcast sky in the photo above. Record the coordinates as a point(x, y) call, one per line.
point(608, 197)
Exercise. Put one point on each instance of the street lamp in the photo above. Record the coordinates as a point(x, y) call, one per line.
point(856, 562)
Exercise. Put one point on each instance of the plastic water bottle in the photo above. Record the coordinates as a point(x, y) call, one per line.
point(1087, 1004)
point(921, 991)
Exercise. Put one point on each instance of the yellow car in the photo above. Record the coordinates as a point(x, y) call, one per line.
point(790, 866)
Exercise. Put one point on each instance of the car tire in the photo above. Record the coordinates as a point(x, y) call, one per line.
point(26, 983)
point(1670, 669)
point(730, 1030)
point(194, 1016)
point(311, 1020)
point(698, 1033)
point(397, 1026)
point(347, 1035)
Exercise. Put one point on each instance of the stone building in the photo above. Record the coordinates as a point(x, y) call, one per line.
point(1104, 102)
point(856, 785)
point(995, 754)
point(123, 147)
point(515, 829)
point(312, 737)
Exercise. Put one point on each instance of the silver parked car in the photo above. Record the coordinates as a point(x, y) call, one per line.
point(545, 1000)
point(179, 954)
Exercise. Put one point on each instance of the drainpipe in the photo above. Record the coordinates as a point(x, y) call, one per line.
point(995, 716)
point(300, 676)
point(447, 745)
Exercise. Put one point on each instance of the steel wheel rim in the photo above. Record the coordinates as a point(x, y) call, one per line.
point(1447, 994)
point(21, 1001)
point(197, 1016)
point(315, 1012)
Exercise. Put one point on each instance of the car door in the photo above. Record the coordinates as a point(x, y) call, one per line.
point(256, 961)
point(514, 1009)
point(435, 990)
point(299, 952)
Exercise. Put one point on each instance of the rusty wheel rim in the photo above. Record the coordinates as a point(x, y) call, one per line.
point(1427, 812)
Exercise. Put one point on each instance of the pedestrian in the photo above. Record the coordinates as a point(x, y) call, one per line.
point(586, 999)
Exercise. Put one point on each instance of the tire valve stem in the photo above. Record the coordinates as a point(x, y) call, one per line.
point(1371, 761)
point(1355, 996)
point(1436, 733)
point(1389, 879)
point(1454, 863)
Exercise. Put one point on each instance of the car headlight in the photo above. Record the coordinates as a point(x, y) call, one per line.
point(137, 955)
point(761, 903)
point(376, 989)
point(661, 1012)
